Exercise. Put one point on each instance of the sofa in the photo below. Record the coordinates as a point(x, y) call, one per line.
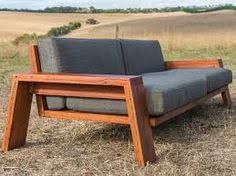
point(117, 81)
point(165, 89)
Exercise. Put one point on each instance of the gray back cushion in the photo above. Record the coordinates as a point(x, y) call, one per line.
point(67, 55)
point(99, 56)
point(81, 56)
point(142, 56)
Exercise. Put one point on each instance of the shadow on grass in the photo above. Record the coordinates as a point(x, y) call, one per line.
point(185, 128)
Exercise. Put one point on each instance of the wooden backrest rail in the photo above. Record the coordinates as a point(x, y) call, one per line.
point(194, 63)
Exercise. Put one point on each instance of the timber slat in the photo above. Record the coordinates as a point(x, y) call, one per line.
point(111, 92)
point(75, 115)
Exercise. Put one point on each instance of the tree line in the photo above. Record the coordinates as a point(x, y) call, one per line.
point(68, 9)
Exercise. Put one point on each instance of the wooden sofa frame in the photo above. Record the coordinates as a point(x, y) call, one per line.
point(118, 87)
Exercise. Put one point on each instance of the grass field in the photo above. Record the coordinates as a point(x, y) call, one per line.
point(15, 24)
point(199, 142)
point(209, 30)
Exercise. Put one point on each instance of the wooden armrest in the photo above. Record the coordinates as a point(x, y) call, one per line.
point(84, 79)
point(213, 63)
point(79, 85)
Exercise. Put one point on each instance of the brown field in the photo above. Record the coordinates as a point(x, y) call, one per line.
point(200, 142)
point(175, 30)
point(14, 24)
point(217, 29)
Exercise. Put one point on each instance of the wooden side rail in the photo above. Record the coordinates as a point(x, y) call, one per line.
point(127, 88)
point(210, 63)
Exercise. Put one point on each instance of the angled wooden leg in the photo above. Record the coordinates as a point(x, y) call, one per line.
point(226, 98)
point(17, 118)
point(139, 122)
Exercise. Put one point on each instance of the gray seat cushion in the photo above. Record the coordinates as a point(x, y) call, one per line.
point(165, 91)
point(215, 77)
point(65, 55)
point(142, 56)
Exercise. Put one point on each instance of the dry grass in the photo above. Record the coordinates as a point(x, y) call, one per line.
point(210, 30)
point(199, 142)
point(14, 24)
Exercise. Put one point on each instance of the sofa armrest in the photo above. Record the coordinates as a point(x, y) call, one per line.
point(82, 79)
point(79, 85)
point(213, 63)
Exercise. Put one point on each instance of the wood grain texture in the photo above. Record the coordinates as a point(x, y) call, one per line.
point(17, 117)
point(226, 98)
point(34, 59)
point(213, 63)
point(36, 68)
point(82, 79)
point(86, 116)
point(139, 122)
point(85, 91)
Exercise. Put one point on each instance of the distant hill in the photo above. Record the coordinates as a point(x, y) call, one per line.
point(177, 30)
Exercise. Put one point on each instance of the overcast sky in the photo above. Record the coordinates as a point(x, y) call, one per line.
point(39, 4)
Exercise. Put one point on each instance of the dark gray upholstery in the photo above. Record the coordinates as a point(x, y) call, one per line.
point(215, 77)
point(142, 56)
point(96, 105)
point(49, 64)
point(79, 56)
point(165, 91)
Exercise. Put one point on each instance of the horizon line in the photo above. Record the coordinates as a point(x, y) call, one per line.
point(183, 6)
